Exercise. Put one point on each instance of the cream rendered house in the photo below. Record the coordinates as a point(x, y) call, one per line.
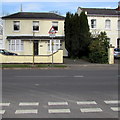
point(22, 30)
point(107, 20)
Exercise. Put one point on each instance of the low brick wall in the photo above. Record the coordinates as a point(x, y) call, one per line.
point(57, 58)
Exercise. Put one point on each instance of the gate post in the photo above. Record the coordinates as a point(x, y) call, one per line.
point(111, 54)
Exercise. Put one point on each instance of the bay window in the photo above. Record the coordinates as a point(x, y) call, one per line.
point(56, 45)
point(16, 45)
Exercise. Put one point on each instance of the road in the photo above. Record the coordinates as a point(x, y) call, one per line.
point(77, 92)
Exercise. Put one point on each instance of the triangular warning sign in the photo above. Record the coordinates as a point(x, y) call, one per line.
point(52, 30)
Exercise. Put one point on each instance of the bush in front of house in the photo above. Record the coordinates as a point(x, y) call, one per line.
point(99, 49)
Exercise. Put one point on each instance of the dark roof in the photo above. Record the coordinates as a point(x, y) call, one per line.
point(99, 11)
point(34, 15)
point(35, 37)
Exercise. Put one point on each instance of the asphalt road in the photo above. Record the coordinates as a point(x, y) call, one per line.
point(77, 92)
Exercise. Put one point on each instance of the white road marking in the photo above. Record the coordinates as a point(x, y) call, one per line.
point(57, 103)
point(2, 111)
point(115, 109)
point(4, 104)
point(26, 111)
point(86, 102)
point(112, 101)
point(52, 76)
point(28, 104)
point(78, 76)
point(59, 111)
point(90, 110)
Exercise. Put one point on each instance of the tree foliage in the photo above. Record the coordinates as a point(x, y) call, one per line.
point(99, 49)
point(77, 35)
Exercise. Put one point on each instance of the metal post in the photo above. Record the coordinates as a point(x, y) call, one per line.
point(52, 50)
point(33, 50)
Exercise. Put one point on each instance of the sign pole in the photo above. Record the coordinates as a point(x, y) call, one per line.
point(52, 32)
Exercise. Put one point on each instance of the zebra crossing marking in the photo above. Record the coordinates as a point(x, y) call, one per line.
point(4, 104)
point(35, 111)
point(116, 109)
point(112, 101)
point(86, 102)
point(2, 112)
point(86, 110)
point(59, 111)
point(28, 103)
point(57, 103)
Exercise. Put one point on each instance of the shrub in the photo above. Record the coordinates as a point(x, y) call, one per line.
point(99, 49)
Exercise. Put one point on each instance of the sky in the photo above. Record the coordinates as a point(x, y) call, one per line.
point(13, 6)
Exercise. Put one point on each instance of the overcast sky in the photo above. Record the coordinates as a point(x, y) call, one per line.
point(62, 7)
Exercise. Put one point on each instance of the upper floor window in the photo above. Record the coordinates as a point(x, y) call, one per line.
point(93, 23)
point(16, 25)
point(107, 24)
point(118, 24)
point(55, 25)
point(35, 25)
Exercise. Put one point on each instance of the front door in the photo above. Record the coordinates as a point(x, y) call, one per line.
point(35, 47)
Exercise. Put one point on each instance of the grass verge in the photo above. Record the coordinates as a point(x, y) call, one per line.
point(32, 66)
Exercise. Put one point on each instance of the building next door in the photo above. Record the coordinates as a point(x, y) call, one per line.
point(35, 47)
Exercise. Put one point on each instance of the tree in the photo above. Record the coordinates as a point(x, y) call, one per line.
point(99, 49)
point(84, 35)
point(77, 35)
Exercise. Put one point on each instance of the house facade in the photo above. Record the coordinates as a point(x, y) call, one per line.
point(107, 20)
point(28, 32)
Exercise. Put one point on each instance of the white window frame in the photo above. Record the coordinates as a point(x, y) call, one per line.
point(108, 24)
point(118, 24)
point(18, 22)
point(55, 24)
point(1, 43)
point(56, 45)
point(16, 45)
point(37, 22)
point(94, 24)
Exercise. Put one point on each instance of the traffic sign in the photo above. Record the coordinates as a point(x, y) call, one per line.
point(52, 30)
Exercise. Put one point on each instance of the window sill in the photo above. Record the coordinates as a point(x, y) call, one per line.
point(16, 31)
point(107, 29)
point(36, 31)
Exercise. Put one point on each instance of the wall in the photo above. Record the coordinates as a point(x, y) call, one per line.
point(26, 27)
point(111, 33)
point(57, 58)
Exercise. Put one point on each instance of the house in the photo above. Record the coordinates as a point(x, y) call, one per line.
point(107, 20)
point(1, 34)
point(28, 32)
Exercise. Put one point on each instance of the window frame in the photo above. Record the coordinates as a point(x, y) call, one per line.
point(37, 26)
point(94, 24)
point(16, 45)
point(14, 26)
point(56, 43)
point(118, 25)
point(108, 24)
point(55, 24)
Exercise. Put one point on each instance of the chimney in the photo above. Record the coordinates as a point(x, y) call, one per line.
point(118, 6)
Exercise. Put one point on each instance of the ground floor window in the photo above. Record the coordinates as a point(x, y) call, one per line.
point(16, 45)
point(56, 45)
point(1, 43)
